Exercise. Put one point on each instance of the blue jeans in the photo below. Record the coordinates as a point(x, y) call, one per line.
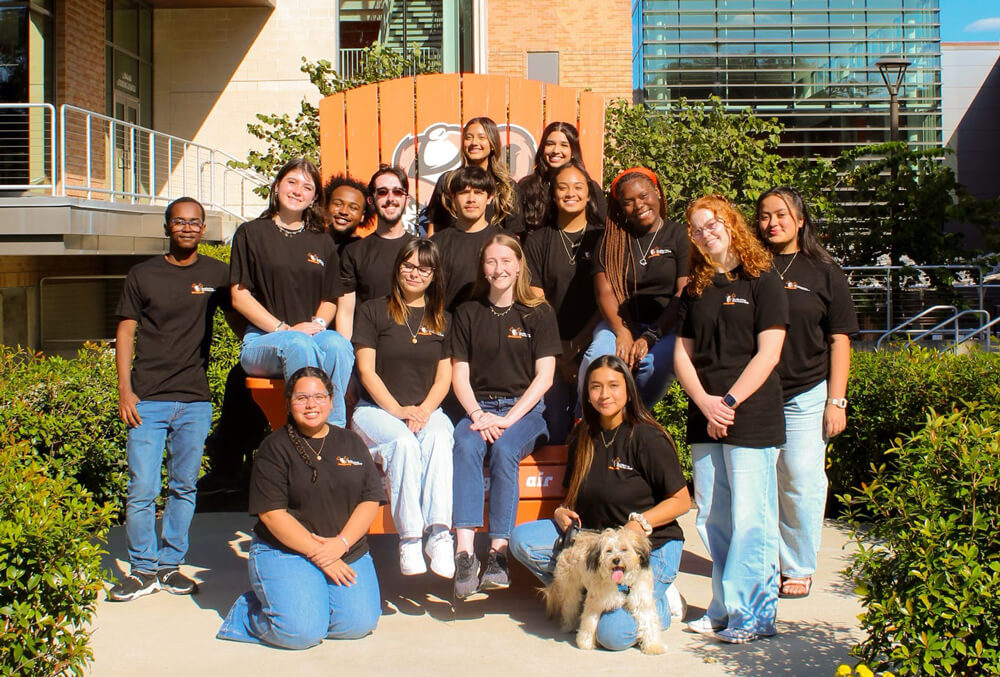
point(506, 453)
point(181, 427)
point(802, 482)
point(655, 370)
point(282, 353)
point(293, 605)
point(736, 490)
point(418, 466)
point(531, 545)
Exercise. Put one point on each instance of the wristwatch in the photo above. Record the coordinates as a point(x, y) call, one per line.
point(839, 402)
point(729, 401)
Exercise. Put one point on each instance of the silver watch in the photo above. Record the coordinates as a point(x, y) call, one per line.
point(839, 402)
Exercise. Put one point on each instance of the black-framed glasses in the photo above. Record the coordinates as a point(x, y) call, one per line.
point(186, 223)
point(385, 192)
point(406, 268)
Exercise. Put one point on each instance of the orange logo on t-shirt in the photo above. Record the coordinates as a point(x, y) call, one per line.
point(733, 299)
point(653, 253)
point(343, 461)
point(424, 331)
point(312, 258)
point(517, 333)
point(199, 288)
point(792, 284)
point(617, 464)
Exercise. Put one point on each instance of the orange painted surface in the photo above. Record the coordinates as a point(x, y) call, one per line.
point(560, 104)
point(438, 100)
point(484, 96)
point(269, 394)
point(525, 106)
point(362, 140)
point(398, 116)
point(332, 134)
point(592, 134)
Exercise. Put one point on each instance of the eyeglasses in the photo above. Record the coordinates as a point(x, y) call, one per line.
point(384, 192)
point(407, 268)
point(711, 227)
point(186, 223)
point(301, 399)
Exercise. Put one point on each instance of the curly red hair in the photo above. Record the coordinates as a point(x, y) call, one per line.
point(748, 249)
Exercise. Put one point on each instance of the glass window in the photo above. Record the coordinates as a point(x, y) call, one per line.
point(697, 33)
point(13, 54)
point(125, 25)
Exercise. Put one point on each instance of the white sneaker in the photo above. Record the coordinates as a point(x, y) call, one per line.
point(678, 605)
point(411, 560)
point(441, 549)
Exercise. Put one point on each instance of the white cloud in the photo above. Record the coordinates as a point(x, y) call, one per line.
point(988, 24)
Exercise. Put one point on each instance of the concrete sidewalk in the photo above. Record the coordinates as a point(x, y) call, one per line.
point(420, 633)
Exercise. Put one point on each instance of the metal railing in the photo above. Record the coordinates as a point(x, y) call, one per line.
point(953, 320)
point(971, 335)
point(903, 325)
point(27, 147)
point(353, 60)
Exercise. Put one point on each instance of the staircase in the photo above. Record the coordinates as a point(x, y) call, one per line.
point(412, 23)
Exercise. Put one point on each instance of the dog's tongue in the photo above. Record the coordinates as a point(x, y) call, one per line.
point(617, 575)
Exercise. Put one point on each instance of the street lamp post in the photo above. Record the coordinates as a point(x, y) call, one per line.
point(893, 69)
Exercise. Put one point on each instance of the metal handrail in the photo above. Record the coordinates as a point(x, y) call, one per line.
point(970, 335)
point(50, 138)
point(916, 317)
point(954, 318)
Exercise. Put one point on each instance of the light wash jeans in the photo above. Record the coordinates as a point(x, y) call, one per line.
point(802, 482)
point(655, 371)
point(282, 353)
point(506, 453)
point(531, 545)
point(736, 490)
point(181, 427)
point(418, 466)
point(293, 605)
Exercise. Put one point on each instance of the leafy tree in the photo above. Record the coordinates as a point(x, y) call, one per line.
point(287, 137)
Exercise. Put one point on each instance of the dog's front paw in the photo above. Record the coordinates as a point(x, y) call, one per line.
point(585, 641)
point(653, 648)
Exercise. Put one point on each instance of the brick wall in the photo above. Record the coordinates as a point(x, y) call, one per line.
point(593, 38)
point(79, 54)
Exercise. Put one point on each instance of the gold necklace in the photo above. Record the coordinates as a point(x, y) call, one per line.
point(782, 273)
point(607, 445)
point(413, 334)
point(567, 243)
point(319, 454)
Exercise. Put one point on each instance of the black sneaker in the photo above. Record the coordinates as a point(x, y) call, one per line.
point(176, 583)
point(136, 584)
point(466, 575)
point(496, 576)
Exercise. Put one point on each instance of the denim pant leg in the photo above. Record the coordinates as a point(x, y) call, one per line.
point(185, 445)
point(532, 544)
point(144, 450)
point(337, 360)
point(468, 487)
point(802, 482)
point(603, 343)
point(355, 608)
point(656, 371)
point(750, 579)
point(714, 521)
point(617, 630)
point(436, 443)
point(506, 454)
point(287, 606)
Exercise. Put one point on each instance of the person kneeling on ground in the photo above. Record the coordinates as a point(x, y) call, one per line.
point(315, 491)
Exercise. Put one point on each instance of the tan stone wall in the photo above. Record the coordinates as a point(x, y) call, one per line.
point(593, 38)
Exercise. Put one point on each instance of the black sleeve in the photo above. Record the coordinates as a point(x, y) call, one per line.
point(130, 304)
point(446, 344)
point(437, 213)
point(683, 248)
point(223, 296)
point(269, 477)
point(534, 256)
point(366, 326)
point(239, 260)
point(596, 260)
point(684, 327)
point(461, 333)
point(332, 284)
point(545, 340)
point(514, 222)
point(770, 303)
point(658, 462)
point(602, 201)
point(348, 269)
point(841, 316)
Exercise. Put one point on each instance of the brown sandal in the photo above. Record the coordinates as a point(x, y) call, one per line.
point(789, 584)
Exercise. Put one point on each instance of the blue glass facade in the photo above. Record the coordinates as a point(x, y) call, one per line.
point(808, 63)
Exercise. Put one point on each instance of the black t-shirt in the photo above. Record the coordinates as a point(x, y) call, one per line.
point(724, 322)
point(639, 470)
point(366, 266)
point(819, 304)
point(568, 287)
point(501, 345)
point(666, 255)
point(438, 214)
point(288, 275)
point(460, 261)
point(346, 476)
point(341, 240)
point(173, 306)
point(532, 187)
point(406, 368)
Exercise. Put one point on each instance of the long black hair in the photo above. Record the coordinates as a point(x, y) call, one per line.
point(535, 186)
point(593, 212)
point(293, 432)
point(808, 243)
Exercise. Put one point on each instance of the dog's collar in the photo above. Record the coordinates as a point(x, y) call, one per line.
point(624, 589)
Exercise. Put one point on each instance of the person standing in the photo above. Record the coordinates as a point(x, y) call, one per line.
point(163, 396)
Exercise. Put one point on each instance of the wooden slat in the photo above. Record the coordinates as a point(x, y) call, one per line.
point(592, 134)
point(437, 101)
point(362, 131)
point(484, 96)
point(332, 135)
point(541, 481)
point(560, 104)
point(525, 105)
point(397, 118)
point(547, 455)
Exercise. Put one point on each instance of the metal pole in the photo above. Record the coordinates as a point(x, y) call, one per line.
point(893, 116)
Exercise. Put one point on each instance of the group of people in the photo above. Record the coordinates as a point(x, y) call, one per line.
point(530, 306)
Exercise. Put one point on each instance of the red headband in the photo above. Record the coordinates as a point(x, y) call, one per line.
point(634, 170)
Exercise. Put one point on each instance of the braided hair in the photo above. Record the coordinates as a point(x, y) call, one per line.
point(293, 432)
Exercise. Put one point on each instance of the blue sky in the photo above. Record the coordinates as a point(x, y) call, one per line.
point(970, 20)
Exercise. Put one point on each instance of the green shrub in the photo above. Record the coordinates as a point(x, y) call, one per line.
point(928, 564)
point(50, 566)
point(671, 412)
point(225, 344)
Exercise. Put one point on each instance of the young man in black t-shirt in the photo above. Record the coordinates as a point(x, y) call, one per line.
point(366, 266)
point(163, 397)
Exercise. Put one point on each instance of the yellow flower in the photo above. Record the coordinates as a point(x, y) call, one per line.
point(863, 671)
point(888, 674)
point(843, 671)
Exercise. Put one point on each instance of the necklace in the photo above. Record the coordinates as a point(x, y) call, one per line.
point(570, 247)
point(288, 232)
point(642, 259)
point(496, 314)
point(413, 334)
point(607, 445)
point(319, 454)
point(781, 274)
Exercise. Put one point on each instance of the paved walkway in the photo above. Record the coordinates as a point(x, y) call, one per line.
point(420, 633)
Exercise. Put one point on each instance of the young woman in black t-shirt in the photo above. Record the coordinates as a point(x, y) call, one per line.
point(814, 367)
point(640, 269)
point(559, 259)
point(285, 277)
point(731, 325)
point(315, 491)
point(560, 143)
point(481, 147)
point(405, 370)
point(503, 349)
point(623, 470)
